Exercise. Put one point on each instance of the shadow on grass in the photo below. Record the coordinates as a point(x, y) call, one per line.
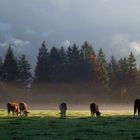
point(71, 128)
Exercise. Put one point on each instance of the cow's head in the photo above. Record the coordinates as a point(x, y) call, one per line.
point(98, 113)
point(26, 113)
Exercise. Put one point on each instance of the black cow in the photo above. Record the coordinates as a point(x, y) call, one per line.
point(94, 108)
point(137, 106)
point(63, 108)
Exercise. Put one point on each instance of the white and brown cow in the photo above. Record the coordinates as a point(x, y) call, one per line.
point(63, 109)
point(23, 109)
point(94, 109)
point(12, 107)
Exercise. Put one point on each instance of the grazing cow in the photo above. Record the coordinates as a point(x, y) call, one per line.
point(63, 108)
point(13, 107)
point(23, 109)
point(94, 109)
point(137, 106)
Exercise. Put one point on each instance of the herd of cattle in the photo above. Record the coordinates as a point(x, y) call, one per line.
point(22, 109)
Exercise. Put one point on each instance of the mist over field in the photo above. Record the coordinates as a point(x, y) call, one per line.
point(77, 97)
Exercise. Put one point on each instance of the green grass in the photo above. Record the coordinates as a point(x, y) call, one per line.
point(46, 125)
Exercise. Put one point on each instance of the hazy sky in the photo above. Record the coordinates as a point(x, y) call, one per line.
point(113, 25)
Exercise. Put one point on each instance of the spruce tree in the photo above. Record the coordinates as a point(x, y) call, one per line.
point(103, 69)
point(42, 67)
point(69, 64)
point(10, 68)
point(63, 65)
point(74, 63)
point(123, 72)
point(132, 68)
point(112, 72)
point(90, 61)
point(54, 64)
point(24, 74)
point(1, 63)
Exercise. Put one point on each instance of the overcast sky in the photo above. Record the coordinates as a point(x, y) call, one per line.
point(113, 25)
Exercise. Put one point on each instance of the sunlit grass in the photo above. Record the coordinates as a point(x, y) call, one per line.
point(79, 125)
point(71, 113)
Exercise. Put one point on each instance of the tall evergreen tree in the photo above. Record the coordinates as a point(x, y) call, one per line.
point(63, 65)
point(54, 64)
point(91, 61)
point(74, 62)
point(9, 70)
point(113, 72)
point(41, 70)
point(1, 63)
point(132, 68)
point(103, 68)
point(123, 72)
point(24, 74)
point(69, 60)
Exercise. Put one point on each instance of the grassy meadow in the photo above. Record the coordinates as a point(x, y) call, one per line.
point(47, 125)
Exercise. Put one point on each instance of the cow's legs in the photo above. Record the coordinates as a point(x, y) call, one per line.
point(64, 113)
point(92, 113)
point(8, 112)
point(17, 114)
point(61, 114)
point(139, 112)
point(135, 110)
point(13, 113)
point(20, 112)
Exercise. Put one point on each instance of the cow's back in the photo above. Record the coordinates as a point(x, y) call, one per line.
point(63, 106)
point(137, 103)
point(92, 107)
point(12, 107)
point(22, 106)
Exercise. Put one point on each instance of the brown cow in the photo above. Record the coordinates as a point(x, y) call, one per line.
point(137, 106)
point(63, 108)
point(94, 109)
point(23, 109)
point(13, 107)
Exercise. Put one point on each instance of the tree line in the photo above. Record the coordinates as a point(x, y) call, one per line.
point(70, 65)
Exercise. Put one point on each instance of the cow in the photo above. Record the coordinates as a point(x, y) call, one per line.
point(63, 108)
point(23, 109)
point(12, 107)
point(94, 108)
point(137, 106)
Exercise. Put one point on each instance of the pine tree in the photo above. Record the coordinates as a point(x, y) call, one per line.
point(132, 69)
point(9, 70)
point(42, 67)
point(103, 69)
point(69, 64)
point(112, 72)
point(54, 64)
point(74, 63)
point(24, 74)
point(83, 67)
point(1, 63)
point(123, 72)
point(90, 61)
point(63, 65)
